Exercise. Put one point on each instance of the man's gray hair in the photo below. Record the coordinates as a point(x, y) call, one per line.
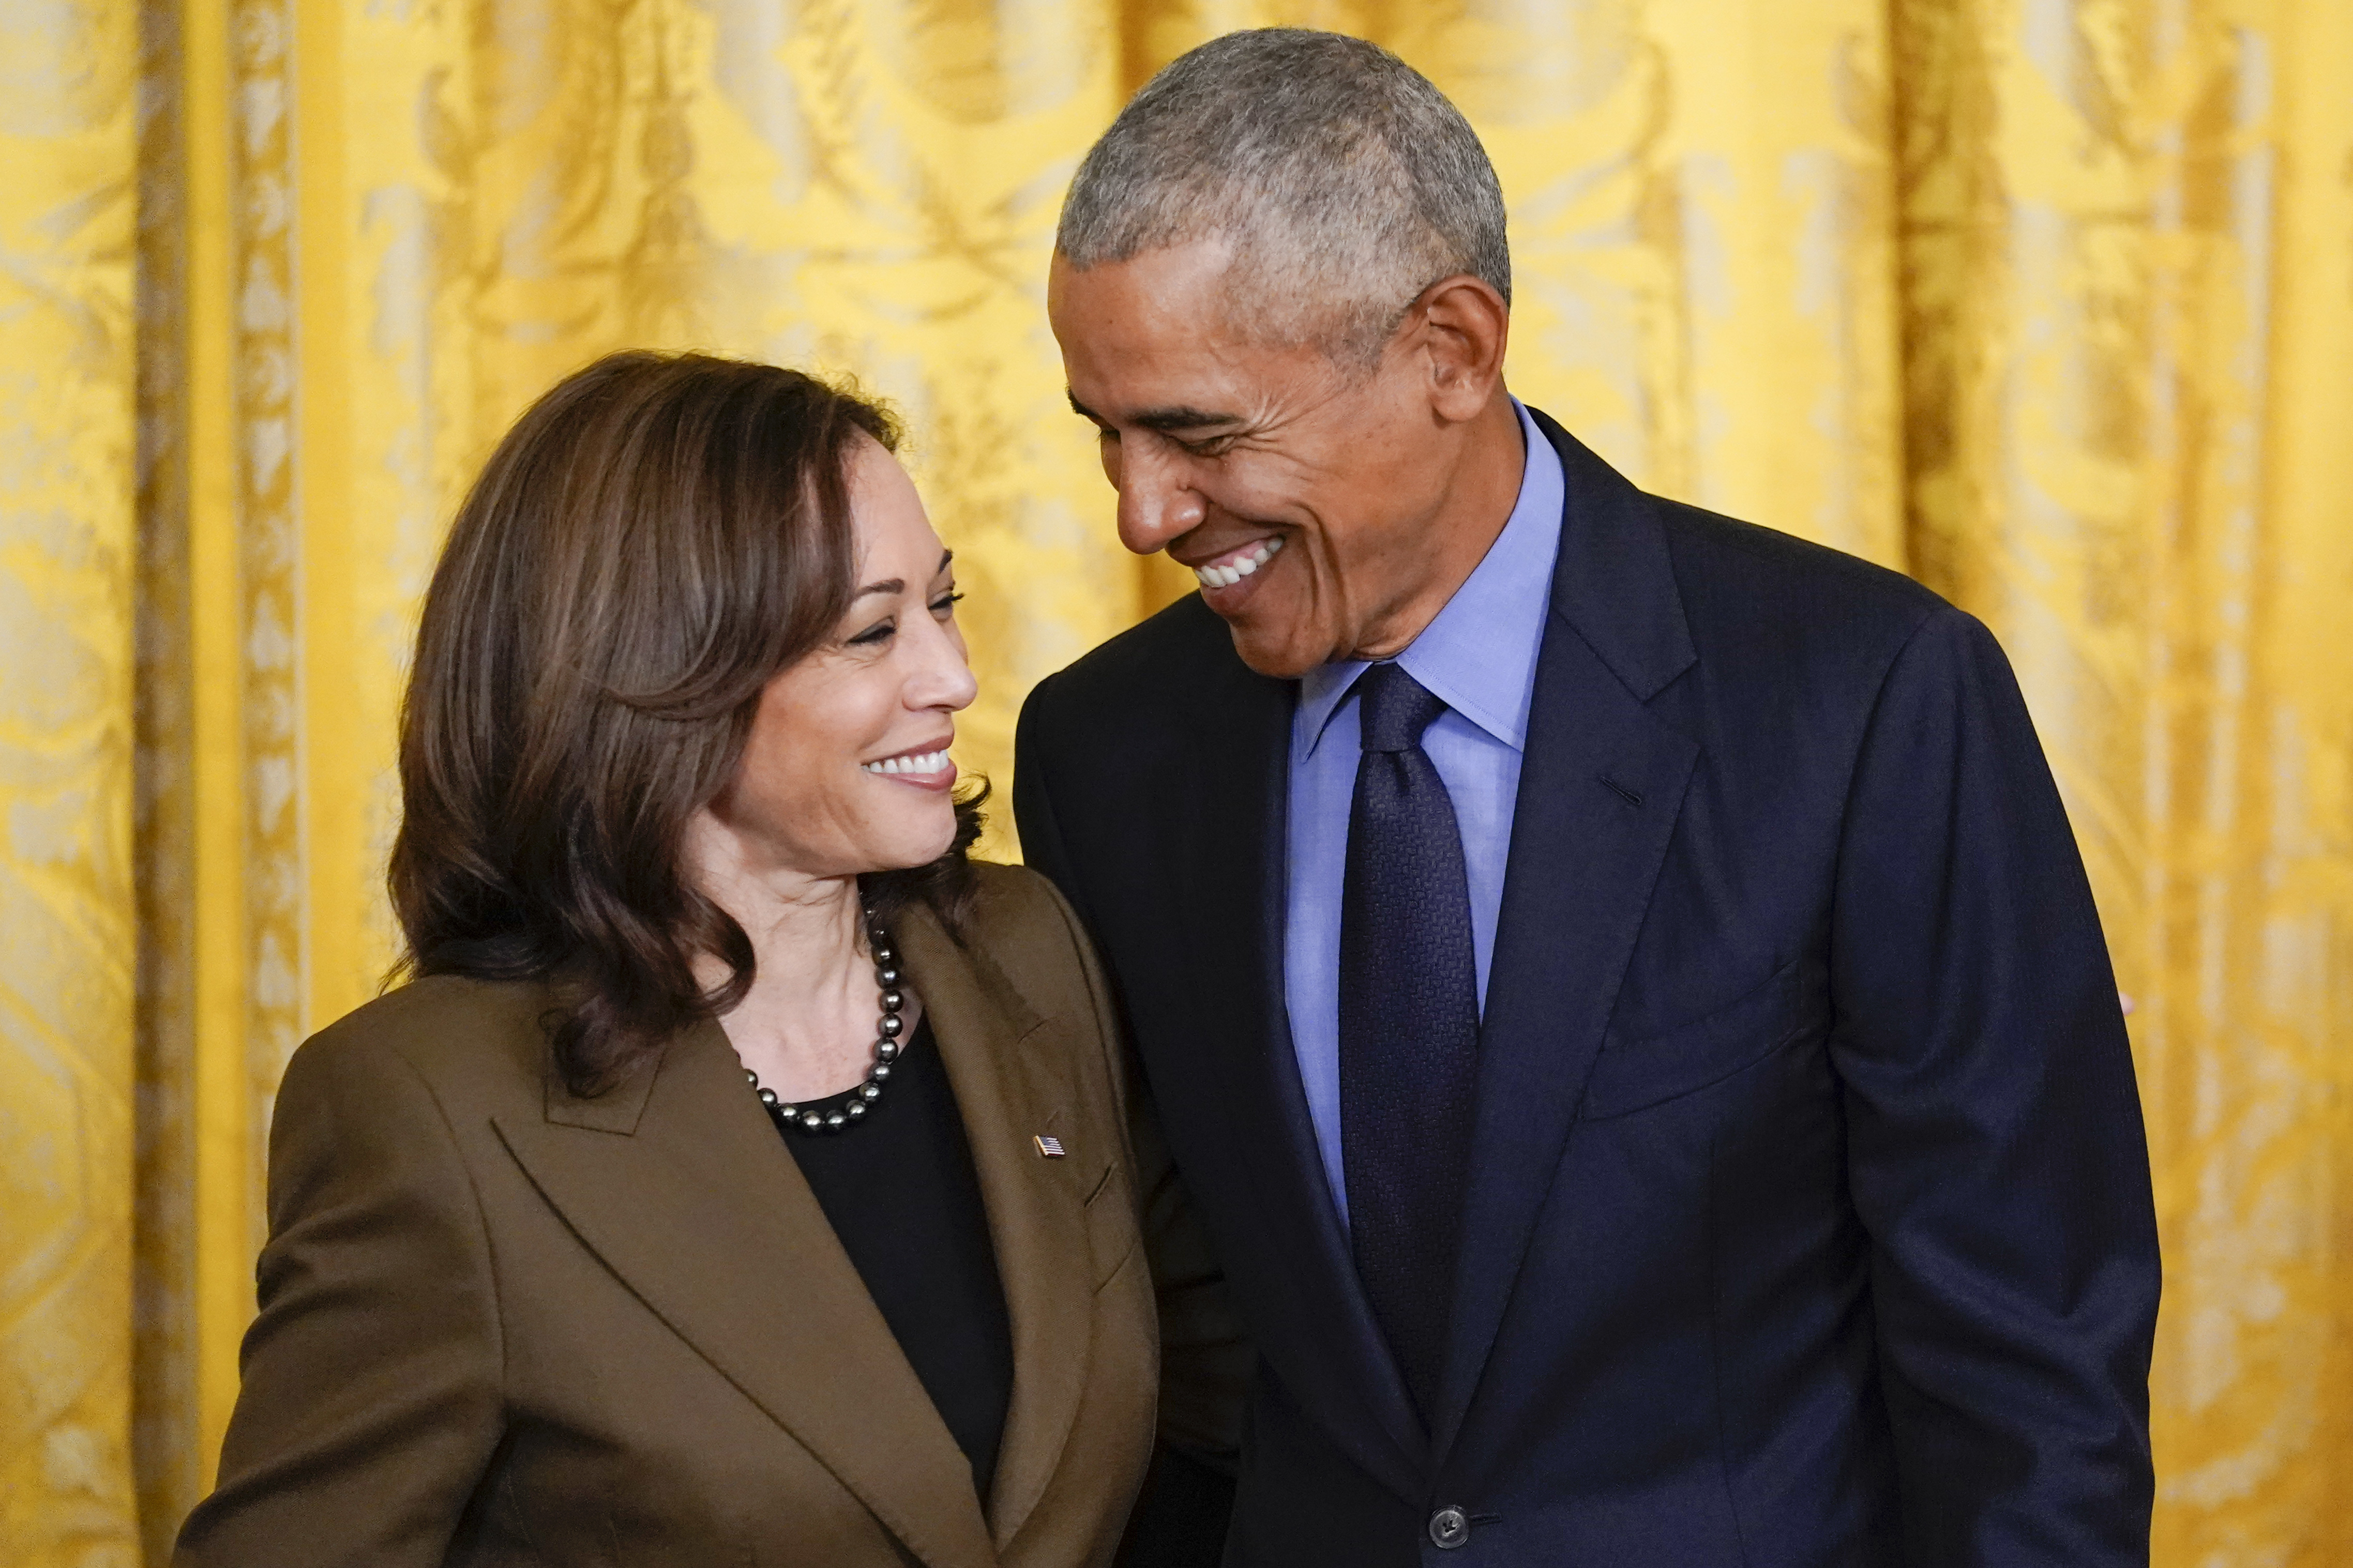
point(1343, 181)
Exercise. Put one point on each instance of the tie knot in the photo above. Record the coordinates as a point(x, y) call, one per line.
point(1392, 709)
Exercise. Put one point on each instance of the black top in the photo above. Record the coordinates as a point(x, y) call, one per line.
point(900, 1192)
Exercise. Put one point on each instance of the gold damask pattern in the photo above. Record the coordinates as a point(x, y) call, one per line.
point(269, 556)
point(2046, 300)
point(2127, 313)
point(68, 555)
point(166, 1432)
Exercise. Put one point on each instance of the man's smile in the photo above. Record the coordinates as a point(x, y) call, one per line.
point(1244, 560)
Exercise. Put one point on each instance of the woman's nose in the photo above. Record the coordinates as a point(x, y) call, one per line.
point(945, 678)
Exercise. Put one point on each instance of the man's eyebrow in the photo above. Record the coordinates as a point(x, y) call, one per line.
point(898, 584)
point(1182, 416)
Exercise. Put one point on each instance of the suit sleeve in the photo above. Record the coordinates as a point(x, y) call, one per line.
point(1033, 810)
point(371, 1399)
point(1205, 1362)
point(1996, 1151)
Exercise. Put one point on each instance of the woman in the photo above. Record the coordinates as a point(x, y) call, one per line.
point(744, 1176)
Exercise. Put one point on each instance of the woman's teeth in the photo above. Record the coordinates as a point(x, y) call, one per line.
point(913, 762)
point(1226, 574)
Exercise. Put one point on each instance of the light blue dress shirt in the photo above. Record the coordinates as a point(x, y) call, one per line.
point(1479, 658)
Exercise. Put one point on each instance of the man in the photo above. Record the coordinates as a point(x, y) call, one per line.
point(1618, 981)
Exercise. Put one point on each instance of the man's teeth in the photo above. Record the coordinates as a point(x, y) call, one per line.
point(914, 762)
point(1233, 572)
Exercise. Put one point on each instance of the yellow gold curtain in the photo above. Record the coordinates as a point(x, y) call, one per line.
point(2048, 301)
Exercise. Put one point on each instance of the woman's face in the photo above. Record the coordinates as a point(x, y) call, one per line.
point(846, 768)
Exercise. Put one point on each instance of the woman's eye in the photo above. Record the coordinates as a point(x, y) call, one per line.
point(946, 602)
point(879, 632)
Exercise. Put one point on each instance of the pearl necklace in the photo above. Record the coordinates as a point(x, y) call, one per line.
point(886, 1050)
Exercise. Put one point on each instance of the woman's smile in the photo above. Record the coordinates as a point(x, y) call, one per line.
point(927, 766)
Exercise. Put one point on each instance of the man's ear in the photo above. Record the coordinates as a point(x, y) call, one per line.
point(1465, 327)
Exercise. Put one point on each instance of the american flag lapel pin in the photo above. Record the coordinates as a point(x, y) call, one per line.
point(1050, 1148)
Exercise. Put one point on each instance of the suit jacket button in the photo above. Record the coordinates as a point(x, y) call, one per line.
point(1450, 1527)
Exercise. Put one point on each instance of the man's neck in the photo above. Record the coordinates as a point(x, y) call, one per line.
point(1488, 472)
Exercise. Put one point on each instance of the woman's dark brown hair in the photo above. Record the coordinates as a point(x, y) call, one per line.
point(653, 542)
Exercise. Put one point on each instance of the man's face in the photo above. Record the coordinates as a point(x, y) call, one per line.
point(1318, 484)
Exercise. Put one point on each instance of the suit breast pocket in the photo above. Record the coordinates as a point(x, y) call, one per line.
point(1638, 1069)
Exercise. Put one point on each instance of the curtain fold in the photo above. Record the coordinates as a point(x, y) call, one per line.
point(2128, 312)
point(2048, 302)
point(69, 539)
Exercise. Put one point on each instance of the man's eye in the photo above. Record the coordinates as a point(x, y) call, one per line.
point(879, 632)
point(1215, 447)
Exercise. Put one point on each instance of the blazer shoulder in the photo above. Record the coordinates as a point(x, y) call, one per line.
point(1023, 926)
point(1762, 605)
point(1157, 660)
point(476, 1040)
point(1714, 554)
point(1020, 916)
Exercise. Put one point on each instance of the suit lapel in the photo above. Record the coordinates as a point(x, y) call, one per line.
point(1328, 1347)
point(678, 1182)
point(1036, 1221)
point(1601, 783)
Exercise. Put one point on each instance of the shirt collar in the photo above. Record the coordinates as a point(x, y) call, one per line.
point(1478, 655)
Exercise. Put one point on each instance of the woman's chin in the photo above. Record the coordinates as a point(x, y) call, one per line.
point(904, 846)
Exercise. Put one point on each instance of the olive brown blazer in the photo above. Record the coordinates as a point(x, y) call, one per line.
point(502, 1325)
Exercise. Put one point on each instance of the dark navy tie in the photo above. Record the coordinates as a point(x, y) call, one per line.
point(1409, 1026)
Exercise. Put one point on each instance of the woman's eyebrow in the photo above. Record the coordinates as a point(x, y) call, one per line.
point(898, 584)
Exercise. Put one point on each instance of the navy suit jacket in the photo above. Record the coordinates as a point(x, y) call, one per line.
point(1810, 1219)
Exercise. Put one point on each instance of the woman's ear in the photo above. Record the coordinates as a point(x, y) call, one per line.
point(1465, 328)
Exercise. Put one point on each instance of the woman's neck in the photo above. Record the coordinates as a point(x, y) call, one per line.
point(807, 1024)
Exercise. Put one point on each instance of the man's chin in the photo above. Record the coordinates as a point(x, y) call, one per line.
point(1278, 657)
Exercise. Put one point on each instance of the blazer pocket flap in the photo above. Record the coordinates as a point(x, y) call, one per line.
point(1112, 1230)
point(1634, 1072)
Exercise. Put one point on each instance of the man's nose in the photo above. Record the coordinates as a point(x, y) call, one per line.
point(1157, 500)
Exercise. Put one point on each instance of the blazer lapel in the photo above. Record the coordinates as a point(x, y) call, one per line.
point(1601, 783)
point(680, 1183)
point(1327, 1346)
point(1037, 1220)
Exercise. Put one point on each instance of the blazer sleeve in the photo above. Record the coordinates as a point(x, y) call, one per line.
point(1996, 1151)
point(371, 1400)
